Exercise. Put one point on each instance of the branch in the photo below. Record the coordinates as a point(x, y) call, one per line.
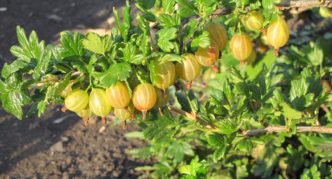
point(276, 129)
point(285, 4)
point(193, 116)
point(304, 3)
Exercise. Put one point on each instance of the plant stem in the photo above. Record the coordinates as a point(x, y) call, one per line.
point(305, 3)
point(276, 129)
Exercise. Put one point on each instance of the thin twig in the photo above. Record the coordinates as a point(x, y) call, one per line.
point(276, 129)
point(304, 3)
point(193, 116)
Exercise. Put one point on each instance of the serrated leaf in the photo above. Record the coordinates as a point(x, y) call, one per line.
point(17, 65)
point(228, 127)
point(316, 55)
point(290, 112)
point(130, 54)
point(167, 20)
point(116, 72)
point(186, 8)
point(165, 37)
point(42, 63)
point(202, 40)
point(97, 44)
point(29, 48)
point(71, 43)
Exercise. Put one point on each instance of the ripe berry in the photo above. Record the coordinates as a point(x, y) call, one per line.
point(189, 69)
point(163, 74)
point(217, 33)
point(77, 100)
point(253, 21)
point(241, 46)
point(118, 95)
point(98, 103)
point(124, 113)
point(144, 97)
point(85, 114)
point(208, 56)
point(278, 33)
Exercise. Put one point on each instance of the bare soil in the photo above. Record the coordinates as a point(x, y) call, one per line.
point(58, 145)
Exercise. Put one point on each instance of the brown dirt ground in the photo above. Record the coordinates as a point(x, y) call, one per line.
point(42, 148)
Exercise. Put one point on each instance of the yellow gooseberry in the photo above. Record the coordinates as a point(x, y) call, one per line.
point(277, 33)
point(217, 33)
point(98, 103)
point(163, 74)
point(118, 95)
point(208, 56)
point(253, 21)
point(77, 100)
point(241, 46)
point(144, 97)
point(189, 69)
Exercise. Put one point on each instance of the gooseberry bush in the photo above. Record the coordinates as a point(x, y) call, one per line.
point(218, 88)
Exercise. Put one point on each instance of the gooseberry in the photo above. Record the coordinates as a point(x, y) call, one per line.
point(163, 74)
point(189, 69)
point(77, 100)
point(277, 33)
point(208, 56)
point(98, 103)
point(217, 33)
point(144, 97)
point(118, 95)
point(241, 46)
point(253, 21)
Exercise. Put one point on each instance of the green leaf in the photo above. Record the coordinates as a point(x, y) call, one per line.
point(71, 44)
point(116, 72)
point(298, 88)
point(228, 127)
point(290, 112)
point(195, 168)
point(42, 63)
point(202, 40)
point(17, 65)
point(146, 4)
point(130, 54)
point(186, 8)
point(267, 61)
point(312, 172)
point(176, 149)
point(318, 144)
point(167, 20)
point(316, 55)
point(123, 27)
point(97, 44)
point(13, 98)
point(168, 6)
point(29, 48)
point(165, 37)
point(268, 4)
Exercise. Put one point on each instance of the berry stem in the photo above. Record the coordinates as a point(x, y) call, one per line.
point(189, 85)
point(144, 114)
point(215, 68)
point(63, 109)
point(86, 121)
point(276, 52)
point(104, 120)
